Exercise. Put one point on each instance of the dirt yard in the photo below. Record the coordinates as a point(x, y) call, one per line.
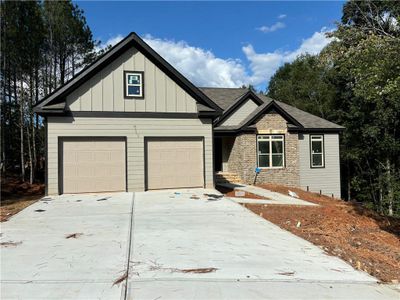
point(358, 235)
point(16, 195)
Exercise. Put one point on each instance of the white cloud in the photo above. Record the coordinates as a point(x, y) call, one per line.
point(312, 45)
point(272, 28)
point(203, 68)
point(264, 65)
point(110, 42)
point(200, 65)
point(282, 16)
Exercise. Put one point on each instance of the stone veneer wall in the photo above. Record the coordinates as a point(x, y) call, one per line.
point(243, 157)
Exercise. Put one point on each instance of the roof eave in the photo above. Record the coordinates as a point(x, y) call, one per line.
point(316, 130)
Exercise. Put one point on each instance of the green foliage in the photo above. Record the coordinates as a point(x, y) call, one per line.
point(356, 83)
point(69, 37)
point(43, 44)
point(304, 83)
point(378, 17)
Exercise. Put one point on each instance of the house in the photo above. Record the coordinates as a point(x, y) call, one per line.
point(131, 122)
point(287, 145)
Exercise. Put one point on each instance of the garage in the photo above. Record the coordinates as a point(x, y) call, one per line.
point(92, 164)
point(174, 163)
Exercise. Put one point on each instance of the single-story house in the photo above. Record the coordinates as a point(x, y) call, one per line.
point(131, 122)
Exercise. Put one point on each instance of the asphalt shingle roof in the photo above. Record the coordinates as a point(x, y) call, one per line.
point(225, 97)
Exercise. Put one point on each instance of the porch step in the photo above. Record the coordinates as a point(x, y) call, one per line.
point(227, 177)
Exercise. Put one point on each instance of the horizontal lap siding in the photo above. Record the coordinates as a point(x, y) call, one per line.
point(325, 179)
point(135, 130)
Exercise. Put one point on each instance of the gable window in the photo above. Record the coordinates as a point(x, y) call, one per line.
point(270, 151)
point(317, 151)
point(133, 84)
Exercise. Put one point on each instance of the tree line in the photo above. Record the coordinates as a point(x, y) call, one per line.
point(355, 82)
point(43, 45)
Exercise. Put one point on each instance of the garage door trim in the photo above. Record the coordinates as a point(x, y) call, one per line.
point(171, 138)
point(61, 140)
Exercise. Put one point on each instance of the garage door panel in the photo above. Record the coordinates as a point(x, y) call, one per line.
point(69, 156)
point(102, 156)
point(90, 165)
point(175, 163)
point(69, 171)
point(83, 156)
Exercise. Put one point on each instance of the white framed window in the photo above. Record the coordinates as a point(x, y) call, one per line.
point(133, 84)
point(317, 151)
point(270, 151)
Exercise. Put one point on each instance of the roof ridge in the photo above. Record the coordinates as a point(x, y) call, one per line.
point(226, 88)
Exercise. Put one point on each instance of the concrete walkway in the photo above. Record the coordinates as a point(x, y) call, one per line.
point(273, 197)
point(43, 264)
point(242, 255)
point(252, 201)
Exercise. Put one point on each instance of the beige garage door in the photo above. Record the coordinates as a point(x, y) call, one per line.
point(175, 163)
point(93, 165)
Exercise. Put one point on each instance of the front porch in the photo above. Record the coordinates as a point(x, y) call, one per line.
point(223, 146)
point(222, 150)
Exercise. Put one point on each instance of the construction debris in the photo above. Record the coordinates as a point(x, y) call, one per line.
point(215, 196)
point(39, 210)
point(194, 197)
point(103, 199)
point(199, 271)
point(293, 194)
point(234, 193)
point(121, 278)
point(73, 235)
point(240, 194)
point(10, 244)
point(46, 199)
point(286, 273)
point(156, 267)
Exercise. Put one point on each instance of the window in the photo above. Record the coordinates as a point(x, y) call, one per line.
point(317, 151)
point(270, 151)
point(133, 84)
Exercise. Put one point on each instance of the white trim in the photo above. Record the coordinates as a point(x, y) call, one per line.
point(317, 138)
point(140, 85)
point(270, 138)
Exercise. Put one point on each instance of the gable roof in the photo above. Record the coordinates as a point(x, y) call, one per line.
point(132, 40)
point(299, 119)
point(224, 97)
point(235, 105)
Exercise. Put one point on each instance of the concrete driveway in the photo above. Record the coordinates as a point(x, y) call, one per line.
point(44, 264)
point(180, 246)
point(243, 255)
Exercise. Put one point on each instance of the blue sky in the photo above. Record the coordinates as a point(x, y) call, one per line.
point(219, 43)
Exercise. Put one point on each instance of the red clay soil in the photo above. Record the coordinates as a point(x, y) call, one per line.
point(231, 193)
point(17, 195)
point(363, 238)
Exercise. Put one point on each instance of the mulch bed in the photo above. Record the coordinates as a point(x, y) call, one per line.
point(360, 236)
point(17, 195)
